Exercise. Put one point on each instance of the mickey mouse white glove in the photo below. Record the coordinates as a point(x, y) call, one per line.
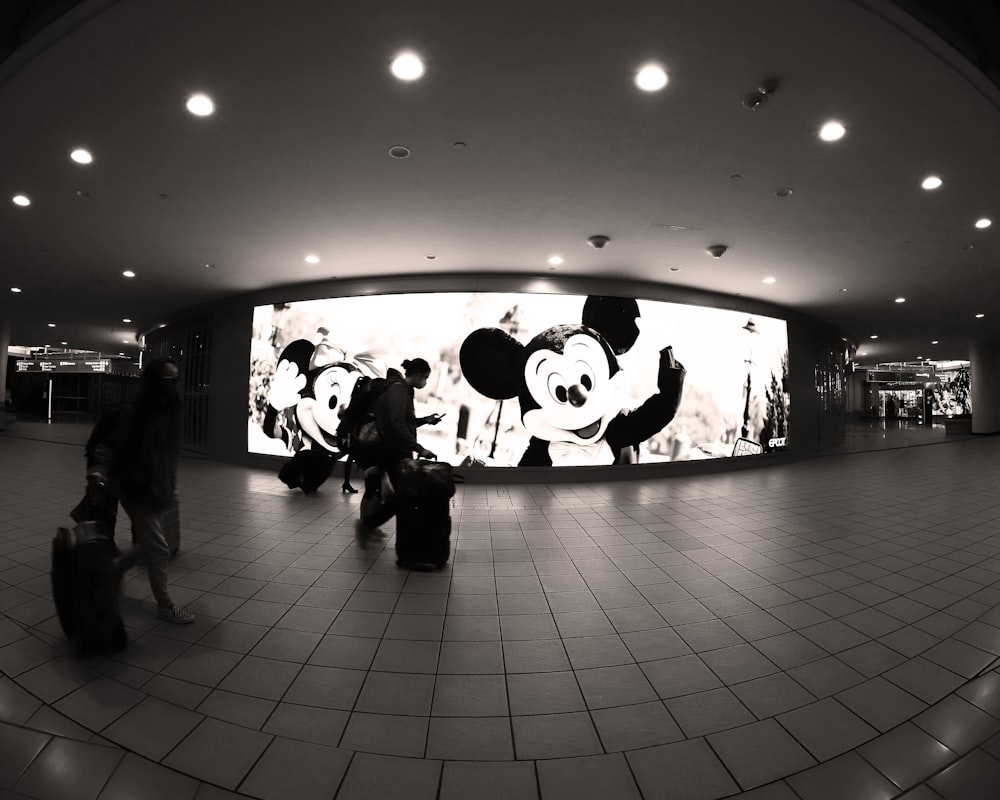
point(286, 386)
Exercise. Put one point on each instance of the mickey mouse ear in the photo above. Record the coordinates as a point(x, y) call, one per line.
point(299, 353)
point(492, 363)
point(614, 318)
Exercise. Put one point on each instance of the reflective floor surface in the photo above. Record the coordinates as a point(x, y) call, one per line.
point(825, 629)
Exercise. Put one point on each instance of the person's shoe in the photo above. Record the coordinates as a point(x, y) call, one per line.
point(176, 615)
point(348, 489)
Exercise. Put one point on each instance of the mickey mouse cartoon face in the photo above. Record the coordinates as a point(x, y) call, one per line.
point(319, 415)
point(570, 379)
point(568, 382)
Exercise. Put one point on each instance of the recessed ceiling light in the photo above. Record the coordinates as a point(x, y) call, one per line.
point(784, 192)
point(842, 290)
point(675, 269)
point(651, 78)
point(935, 341)
point(124, 341)
point(128, 273)
point(200, 105)
point(555, 260)
point(983, 223)
point(126, 320)
point(931, 182)
point(52, 324)
point(81, 156)
point(399, 151)
point(430, 257)
point(21, 200)
point(312, 259)
point(15, 290)
point(832, 131)
point(980, 316)
point(769, 279)
point(900, 299)
point(873, 336)
point(64, 343)
point(407, 66)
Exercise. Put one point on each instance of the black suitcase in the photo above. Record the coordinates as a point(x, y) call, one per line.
point(86, 587)
point(307, 470)
point(423, 514)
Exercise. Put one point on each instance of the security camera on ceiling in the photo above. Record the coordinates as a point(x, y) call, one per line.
point(598, 241)
point(716, 250)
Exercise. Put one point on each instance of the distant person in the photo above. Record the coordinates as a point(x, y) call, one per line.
point(138, 462)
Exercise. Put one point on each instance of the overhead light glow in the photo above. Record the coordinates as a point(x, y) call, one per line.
point(128, 273)
point(980, 316)
point(555, 260)
point(900, 299)
point(769, 279)
point(873, 336)
point(81, 156)
point(200, 105)
point(832, 131)
point(934, 342)
point(931, 182)
point(21, 200)
point(407, 67)
point(126, 320)
point(15, 290)
point(312, 259)
point(52, 324)
point(983, 223)
point(651, 78)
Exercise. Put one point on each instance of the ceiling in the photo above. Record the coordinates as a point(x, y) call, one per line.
point(526, 136)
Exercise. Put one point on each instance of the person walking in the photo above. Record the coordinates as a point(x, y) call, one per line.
point(137, 461)
point(397, 425)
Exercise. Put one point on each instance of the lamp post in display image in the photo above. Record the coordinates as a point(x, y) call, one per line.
point(751, 329)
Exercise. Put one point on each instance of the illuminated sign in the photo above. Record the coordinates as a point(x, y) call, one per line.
point(527, 379)
point(38, 365)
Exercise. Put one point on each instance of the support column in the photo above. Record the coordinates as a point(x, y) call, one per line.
point(4, 344)
point(984, 355)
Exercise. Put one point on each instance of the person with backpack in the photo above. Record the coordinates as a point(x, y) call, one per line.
point(395, 424)
point(137, 461)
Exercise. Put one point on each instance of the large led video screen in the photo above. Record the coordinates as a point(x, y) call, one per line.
point(527, 379)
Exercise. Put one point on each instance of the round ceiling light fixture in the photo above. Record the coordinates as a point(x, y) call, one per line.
point(21, 200)
point(783, 192)
point(651, 78)
point(398, 151)
point(407, 66)
point(769, 279)
point(832, 131)
point(200, 105)
point(900, 299)
point(980, 316)
point(555, 261)
point(312, 259)
point(128, 273)
point(983, 223)
point(81, 156)
point(15, 289)
point(931, 182)
point(873, 336)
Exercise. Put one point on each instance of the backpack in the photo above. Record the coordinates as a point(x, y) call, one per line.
point(358, 432)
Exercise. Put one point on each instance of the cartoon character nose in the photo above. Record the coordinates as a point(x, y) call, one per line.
point(577, 395)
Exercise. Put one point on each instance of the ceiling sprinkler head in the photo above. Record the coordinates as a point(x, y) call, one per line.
point(757, 98)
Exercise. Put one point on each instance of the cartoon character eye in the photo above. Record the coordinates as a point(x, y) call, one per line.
point(334, 402)
point(557, 388)
point(586, 375)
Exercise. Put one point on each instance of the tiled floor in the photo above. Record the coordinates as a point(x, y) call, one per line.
point(827, 629)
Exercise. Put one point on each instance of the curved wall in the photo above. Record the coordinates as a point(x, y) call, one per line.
point(812, 346)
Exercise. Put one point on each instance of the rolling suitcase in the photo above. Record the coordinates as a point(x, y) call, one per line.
point(423, 514)
point(86, 587)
